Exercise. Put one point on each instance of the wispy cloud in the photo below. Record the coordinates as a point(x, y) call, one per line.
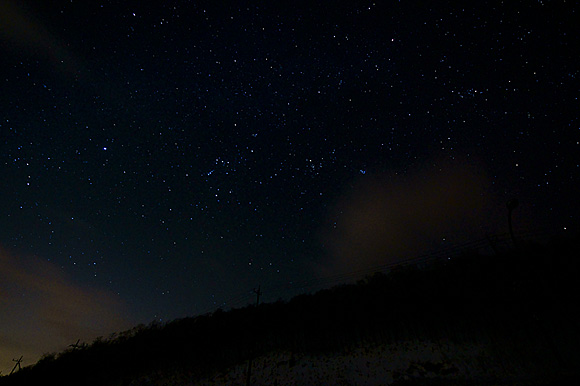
point(385, 218)
point(19, 28)
point(42, 310)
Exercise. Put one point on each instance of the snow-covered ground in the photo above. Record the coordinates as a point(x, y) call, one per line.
point(374, 365)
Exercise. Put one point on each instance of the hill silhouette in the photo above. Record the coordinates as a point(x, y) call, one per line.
point(520, 303)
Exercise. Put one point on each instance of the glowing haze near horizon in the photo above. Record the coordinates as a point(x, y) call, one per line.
point(160, 161)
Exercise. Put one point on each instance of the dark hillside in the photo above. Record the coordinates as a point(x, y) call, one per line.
point(524, 300)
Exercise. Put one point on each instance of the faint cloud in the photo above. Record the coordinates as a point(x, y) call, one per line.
point(42, 310)
point(17, 27)
point(385, 218)
point(21, 32)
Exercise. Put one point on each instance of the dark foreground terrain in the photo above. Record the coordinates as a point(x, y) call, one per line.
point(508, 318)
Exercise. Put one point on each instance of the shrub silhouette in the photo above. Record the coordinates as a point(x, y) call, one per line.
point(526, 294)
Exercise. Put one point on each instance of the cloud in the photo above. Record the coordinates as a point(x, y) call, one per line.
point(385, 218)
point(23, 33)
point(42, 310)
point(18, 27)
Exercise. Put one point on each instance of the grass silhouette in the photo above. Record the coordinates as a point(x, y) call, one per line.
point(520, 302)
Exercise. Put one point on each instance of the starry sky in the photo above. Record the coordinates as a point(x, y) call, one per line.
point(162, 160)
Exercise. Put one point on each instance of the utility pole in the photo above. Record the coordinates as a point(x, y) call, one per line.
point(16, 365)
point(258, 292)
point(75, 346)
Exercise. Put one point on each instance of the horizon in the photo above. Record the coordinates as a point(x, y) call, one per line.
point(480, 248)
point(161, 160)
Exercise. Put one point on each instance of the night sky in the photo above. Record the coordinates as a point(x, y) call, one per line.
point(161, 161)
